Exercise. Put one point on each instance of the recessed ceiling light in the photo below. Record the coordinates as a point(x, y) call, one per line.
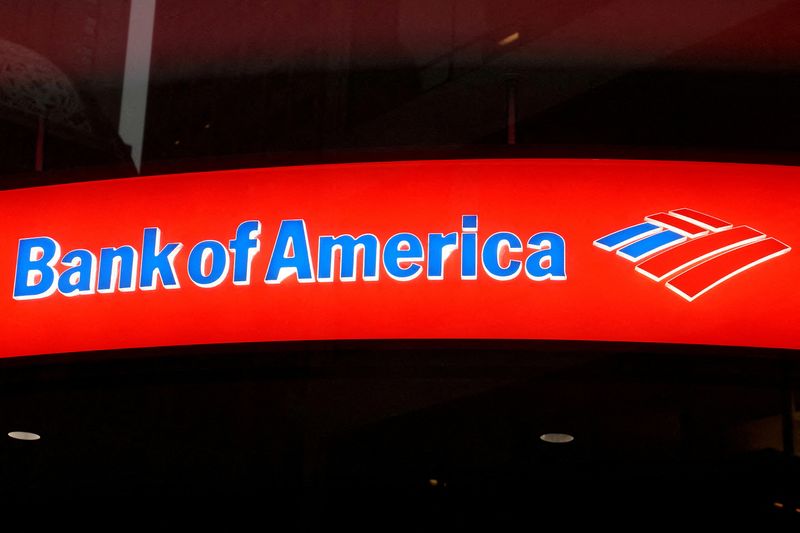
point(557, 438)
point(23, 435)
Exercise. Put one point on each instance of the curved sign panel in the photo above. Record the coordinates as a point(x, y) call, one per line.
point(640, 251)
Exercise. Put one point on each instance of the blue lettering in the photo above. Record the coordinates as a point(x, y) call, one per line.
point(244, 247)
point(469, 247)
point(440, 246)
point(403, 248)
point(200, 273)
point(157, 263)
point(549, 259)
point(79, 278)
point(491, 256)
point(348, 247)
point(291, 254)
point(35, 276)
point(117, 269)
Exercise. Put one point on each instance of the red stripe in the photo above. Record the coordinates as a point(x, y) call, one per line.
point(677, 224)
point(670, 261)
point(706, 221)
point(705, 276)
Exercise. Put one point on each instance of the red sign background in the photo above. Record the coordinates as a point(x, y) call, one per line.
point(603, 297)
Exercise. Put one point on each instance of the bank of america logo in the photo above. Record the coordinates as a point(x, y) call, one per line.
point(693, 251)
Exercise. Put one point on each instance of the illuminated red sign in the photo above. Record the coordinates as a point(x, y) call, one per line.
point(513, 249)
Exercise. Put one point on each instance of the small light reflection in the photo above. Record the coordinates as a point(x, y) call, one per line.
point(508, 39)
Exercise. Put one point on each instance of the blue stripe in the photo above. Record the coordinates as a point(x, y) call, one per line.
point(626, 234)
point(640, 248)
